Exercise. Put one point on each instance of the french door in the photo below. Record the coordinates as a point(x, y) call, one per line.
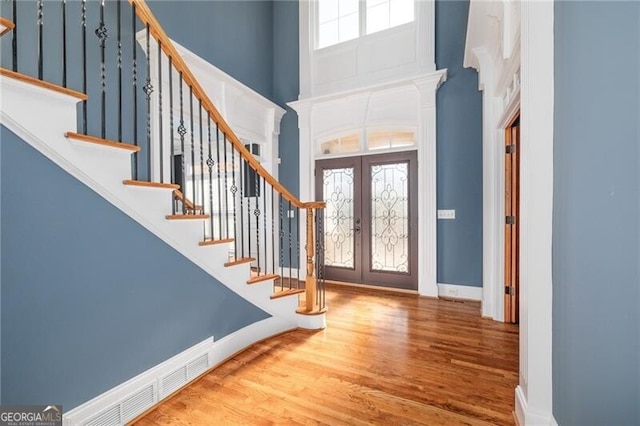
point(371, 219)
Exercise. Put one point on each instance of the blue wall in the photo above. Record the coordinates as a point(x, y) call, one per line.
point(89, 297)
point(459, 151)
point(235, 36)
point(596, 220)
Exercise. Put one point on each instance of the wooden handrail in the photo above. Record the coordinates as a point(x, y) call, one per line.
point(147, 17)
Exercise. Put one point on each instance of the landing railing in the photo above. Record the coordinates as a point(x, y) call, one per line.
point(140, 91)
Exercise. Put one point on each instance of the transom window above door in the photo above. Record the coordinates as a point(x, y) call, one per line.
point(367, 140)
point(342, 20)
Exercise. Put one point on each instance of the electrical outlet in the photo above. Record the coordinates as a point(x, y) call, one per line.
point(446, 214)
point(291, 214)
point(452, 292)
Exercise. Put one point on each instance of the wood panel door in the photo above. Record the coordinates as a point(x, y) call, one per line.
point(371, 219)
point(512, 222)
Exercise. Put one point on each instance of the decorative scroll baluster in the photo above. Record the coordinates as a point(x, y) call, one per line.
point(201, 160)
point(119, 62)
point(226, 198)
point(148, 90)
point(172, 157)
point(84, 64)
point(219, 183)
point(160, 118)
point(14, 37)
point(248, 195)
point(193, 158)
point(234, 190)
point(40, 38)
point(210, 164)
point(256, 213)
point(101, 33)
point(134, 67)
point(64, 43)
point(182, 131)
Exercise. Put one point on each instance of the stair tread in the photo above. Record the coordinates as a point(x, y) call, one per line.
point(239, 261)
point(44, 84)
point(186, 216)
point(261, 278)
point(288, 292)
point(7, 24)
point(215, 242)
point(101, 141)
point(151, 184)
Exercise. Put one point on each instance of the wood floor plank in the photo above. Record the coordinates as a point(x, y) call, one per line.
point(384, 358)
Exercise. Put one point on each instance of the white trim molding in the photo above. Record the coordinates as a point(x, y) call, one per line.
point(415, 100)
point(512, 47)
point(462, 292)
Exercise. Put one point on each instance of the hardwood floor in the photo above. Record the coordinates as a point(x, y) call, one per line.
point(384, 358)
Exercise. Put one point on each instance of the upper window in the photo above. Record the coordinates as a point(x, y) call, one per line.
point(340, 20)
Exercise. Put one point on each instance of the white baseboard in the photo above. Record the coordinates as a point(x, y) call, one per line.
point(464, 292)
point(133, 397)
point(525, 416)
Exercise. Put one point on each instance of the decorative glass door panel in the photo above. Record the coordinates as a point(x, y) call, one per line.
point(370, 219)
point(390, 217)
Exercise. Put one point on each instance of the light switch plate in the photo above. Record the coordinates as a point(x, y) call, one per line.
point(446, 214)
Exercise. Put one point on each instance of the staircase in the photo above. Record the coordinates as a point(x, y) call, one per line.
point(184, 175)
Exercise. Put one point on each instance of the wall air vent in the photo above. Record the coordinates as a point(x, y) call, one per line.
point(137, 403)
point(173, 381)
point(109, 417)
point(197, 366)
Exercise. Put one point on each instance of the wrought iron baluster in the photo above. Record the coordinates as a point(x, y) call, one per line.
point(243, 178)
point(101, 33)
point(119, 62)
point(14, 37)
point(148, 90)
point(84, 64)
point(201, 159)
point(281, 245)
point(248, 195)
point(219, 182)
point(234, 190)
point(40, 21)
point(264, 222)
point(256, 213)
point(182, 131)
point(64, 43)
point(193, 157)
point(273, 233)
point(171, 136)
point(210, 165)
point(226, 188)
point(290, 245)
point(298, 247)
point(134, 67)
point(160, 117)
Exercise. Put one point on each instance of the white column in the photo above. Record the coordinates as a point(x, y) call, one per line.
point(427, 226)
point(534, 393)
